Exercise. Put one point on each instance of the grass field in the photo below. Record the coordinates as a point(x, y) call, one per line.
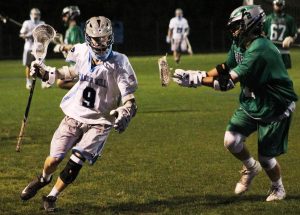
point(171, 160)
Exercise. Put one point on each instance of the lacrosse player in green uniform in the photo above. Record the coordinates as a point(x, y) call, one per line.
point(73, 36)
point(281, 29)
point(267, 97)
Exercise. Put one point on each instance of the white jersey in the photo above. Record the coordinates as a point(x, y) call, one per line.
point(26, 29)
point(100, 88)
point(178, 26)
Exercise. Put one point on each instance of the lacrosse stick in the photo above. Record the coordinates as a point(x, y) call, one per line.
point(42, 35)
point(164, 71)
point(4, 19)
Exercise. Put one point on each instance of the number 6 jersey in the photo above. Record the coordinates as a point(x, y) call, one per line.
point(100, 88)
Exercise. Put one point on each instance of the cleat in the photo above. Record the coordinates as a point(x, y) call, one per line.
point(276, 193)
point(247, 176)
point(31, 189)
point(49, 203)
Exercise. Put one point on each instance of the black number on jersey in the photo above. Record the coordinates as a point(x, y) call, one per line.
point(179, 30)
point(88, 95)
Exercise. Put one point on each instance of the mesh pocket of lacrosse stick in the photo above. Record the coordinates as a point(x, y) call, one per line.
point(164, 71)
point(42, 35)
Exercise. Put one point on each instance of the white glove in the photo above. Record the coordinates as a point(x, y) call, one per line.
point(123, 118)
point(287, 42)
point(45, 73)
point(168, 39)
point(58, 48)
point(188, 78)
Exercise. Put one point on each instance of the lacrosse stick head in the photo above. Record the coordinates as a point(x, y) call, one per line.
point(42, 35)
point(164, 71)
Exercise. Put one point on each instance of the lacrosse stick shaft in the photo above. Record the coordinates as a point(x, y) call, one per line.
point(24, 121)
point(4, 19)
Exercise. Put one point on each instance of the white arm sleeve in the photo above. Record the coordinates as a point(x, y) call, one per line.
point(24, 28)
point(127, 81)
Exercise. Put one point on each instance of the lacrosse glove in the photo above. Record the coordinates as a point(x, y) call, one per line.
point(45, 73)
point(123, 116)
point(188, 78)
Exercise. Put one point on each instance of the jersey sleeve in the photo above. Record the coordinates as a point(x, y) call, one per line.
point(126, 80)
point(231, 62)
point(24, 28)
point(293, 27)
point(250, 65)
point(73, 54)
point(171, 24)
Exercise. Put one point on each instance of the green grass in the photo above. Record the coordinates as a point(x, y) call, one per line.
point(171, 160)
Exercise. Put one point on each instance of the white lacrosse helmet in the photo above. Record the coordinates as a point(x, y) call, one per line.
point(35, 14)
point(179, 12)
point(99, 37)
point(71, 11)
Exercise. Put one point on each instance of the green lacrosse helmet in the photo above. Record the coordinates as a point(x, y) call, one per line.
point(245, 23)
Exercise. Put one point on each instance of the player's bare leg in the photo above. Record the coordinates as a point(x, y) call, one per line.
point(42, 180)
point(28, 79)
point(234, 142)
point(177, 56)
point(66, 177)
point(273, 170)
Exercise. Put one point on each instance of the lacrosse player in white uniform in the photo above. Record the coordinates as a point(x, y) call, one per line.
point(92, 107)
point(26, 34)
point(177, 34)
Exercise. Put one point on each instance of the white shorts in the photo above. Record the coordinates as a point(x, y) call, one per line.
point(88, 140)
point(179, 45)
point(27, 57)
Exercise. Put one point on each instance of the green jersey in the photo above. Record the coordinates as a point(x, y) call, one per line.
point(266, 89)
point(277, 27)
point(74, 35)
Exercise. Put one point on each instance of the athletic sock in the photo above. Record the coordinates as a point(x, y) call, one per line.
point(277, 183)
point(46, 176)
point(249, 162)
point(28, 80)
point(54, 192)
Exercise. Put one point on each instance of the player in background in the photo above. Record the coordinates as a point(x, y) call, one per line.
point(177, 34)
point(267, 98)
point(281, 29)
point(26, 34)
point(73, 35)
point(91, 107)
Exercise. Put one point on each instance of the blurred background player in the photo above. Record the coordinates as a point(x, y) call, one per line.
point(281, 28)
point(177, 34)
point(26, 34)
point(73, 35)
point(92, 107)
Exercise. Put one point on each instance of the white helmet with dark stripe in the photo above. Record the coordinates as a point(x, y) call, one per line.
point(99, 37)
point(245, 23)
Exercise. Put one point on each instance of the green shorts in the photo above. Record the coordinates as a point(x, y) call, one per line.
point(272, 137)
point(287, 60)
